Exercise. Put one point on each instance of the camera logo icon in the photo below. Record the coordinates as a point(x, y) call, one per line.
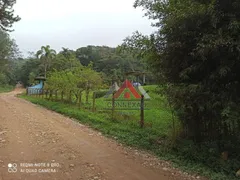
point(12, 167)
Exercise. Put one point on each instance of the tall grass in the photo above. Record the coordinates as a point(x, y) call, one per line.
point(5, 88)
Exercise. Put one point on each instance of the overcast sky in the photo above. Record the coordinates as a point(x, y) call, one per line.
point(76, 23)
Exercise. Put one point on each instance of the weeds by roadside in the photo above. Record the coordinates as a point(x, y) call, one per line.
point(6, 88)
point(184, 155)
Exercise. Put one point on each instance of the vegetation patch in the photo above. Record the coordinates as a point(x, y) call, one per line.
point(158, 138)
point(6, 88)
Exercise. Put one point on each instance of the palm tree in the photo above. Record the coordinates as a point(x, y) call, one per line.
point(46, 54)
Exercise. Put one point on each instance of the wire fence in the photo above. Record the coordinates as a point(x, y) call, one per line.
point(87, 100)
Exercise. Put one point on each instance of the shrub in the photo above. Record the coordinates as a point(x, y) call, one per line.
point(100, 94)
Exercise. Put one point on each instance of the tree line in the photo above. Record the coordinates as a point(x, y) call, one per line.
point(111, 63)
point(195, 54)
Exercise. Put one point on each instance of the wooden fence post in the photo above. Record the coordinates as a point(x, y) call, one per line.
point(87, 94)
point(113, 106)
point(56, 95)
point(50, 95)
point(46, 94)
point(94, 102)
point(70, 97)
point(62, 96)
point(142, 112)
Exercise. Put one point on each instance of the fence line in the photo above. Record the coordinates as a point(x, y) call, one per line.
point(51, 94)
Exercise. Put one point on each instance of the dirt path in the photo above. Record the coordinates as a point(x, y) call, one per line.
point(30, 135)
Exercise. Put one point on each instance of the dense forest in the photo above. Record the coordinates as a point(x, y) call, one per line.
point(111, 62)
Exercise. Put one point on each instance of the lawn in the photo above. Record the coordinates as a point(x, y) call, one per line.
point(156, 137)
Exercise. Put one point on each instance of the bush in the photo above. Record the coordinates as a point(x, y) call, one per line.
point(3, 79)
point(100, 94)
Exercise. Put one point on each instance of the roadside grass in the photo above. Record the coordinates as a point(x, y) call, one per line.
point(6, 88)
point(157, 138)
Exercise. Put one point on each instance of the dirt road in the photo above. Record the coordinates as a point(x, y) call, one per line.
point(38, 144)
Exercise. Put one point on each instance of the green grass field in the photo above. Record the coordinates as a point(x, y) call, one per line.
point(157, 138)
point(5, 88)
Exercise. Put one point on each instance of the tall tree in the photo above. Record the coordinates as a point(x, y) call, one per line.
point(28, 68)
point(66, 59)
point(46, 55)
point(7, 17)
point(196, 50)
point(110, 61)
point(8, 53)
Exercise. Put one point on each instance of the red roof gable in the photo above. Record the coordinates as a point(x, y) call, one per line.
point(127, 85)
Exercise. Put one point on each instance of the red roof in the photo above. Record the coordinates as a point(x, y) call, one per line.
point(127, 85)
